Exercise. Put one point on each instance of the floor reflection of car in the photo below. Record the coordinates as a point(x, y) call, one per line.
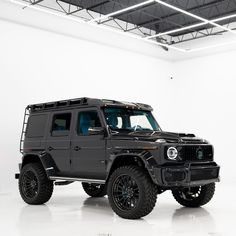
point(197, 220)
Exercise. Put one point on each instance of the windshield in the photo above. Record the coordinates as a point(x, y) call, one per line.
point(129, 120)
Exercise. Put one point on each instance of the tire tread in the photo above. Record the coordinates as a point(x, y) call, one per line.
point(45, 185)
point(150, 192)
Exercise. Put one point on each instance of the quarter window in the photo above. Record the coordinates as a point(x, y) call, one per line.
point(36, 126)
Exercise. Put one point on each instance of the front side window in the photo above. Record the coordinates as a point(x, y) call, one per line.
point(129, 120)
point(61, 123)
point(87, 120)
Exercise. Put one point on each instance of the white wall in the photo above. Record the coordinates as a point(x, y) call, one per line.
point(204, 95)
point(37, 66)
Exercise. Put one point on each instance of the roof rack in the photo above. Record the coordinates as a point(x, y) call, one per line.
point(85, 101)
point(58, 104)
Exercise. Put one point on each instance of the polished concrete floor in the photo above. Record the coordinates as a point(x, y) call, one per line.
point(71, 212)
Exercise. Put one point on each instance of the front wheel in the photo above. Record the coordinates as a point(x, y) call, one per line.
point(131, 192)
point(194, 196)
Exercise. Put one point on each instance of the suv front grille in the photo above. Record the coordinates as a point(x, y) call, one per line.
point(196, 153)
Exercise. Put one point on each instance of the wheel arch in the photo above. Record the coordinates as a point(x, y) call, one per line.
point(45, 159)
point(30, 158)
point(130, 159)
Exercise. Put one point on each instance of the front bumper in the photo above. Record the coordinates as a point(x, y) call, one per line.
point(187, 175)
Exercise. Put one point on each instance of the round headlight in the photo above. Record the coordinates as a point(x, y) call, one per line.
point(172, 153)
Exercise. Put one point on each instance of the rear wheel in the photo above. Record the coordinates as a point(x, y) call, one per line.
point(95, 190)
point(131, 192)
point(34, 186)
point(194, 196)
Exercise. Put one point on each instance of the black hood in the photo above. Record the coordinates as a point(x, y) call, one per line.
point(152, 137)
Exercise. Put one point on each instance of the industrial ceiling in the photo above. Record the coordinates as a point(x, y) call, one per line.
point(167, 23)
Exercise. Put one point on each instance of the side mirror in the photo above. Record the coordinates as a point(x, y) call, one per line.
point(96, 130)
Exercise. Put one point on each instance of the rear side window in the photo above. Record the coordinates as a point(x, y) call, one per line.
point(61, 122)
point(36, 126)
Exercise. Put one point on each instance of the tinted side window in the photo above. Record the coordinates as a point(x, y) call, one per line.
point(36, 126)
point(86, 120)
point(61, 123)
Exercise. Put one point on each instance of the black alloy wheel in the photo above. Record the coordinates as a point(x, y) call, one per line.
point(131, 192)
point(125, 192)
point(34, 186)
point(29, 184)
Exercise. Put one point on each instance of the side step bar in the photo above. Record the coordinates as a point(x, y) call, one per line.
point(60, 183)
point(94, 181)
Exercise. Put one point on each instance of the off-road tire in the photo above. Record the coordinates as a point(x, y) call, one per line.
point(205, 194)
point(43, 187)
point(95, 190)
point(144, 187)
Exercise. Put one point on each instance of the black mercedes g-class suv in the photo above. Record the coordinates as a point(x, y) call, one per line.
point(114, 148)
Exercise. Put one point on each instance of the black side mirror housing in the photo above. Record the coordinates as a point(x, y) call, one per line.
point(96, 131)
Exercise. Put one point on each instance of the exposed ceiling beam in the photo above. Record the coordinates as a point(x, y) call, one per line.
point(29, 5)
point(190, 26)
point(204, 21)
point(104, 17)
point(146, 39)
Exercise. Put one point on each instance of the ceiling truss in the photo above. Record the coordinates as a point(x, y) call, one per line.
point(167, 23)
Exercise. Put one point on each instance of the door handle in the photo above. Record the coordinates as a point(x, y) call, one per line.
point(77, 148)
point(50, 148)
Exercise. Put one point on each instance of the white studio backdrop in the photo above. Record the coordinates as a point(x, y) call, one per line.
point(205, 97)
point(39, 66)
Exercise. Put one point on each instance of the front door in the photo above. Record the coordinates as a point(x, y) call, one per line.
point(88, 151)
point(58, 141)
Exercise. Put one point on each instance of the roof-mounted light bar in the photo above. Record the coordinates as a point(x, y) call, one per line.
point(104, 17)
point(204, 21)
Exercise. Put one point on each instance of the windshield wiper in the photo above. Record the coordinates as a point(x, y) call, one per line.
point(144, 131)
point(155, 132)
point(138, 131)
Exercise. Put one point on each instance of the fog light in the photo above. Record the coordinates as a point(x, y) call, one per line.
point(172, 153)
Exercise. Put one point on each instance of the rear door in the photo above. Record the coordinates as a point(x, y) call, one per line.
point(58, 140)
point(88, 152)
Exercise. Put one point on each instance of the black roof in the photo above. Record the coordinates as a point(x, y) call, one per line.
point(62, 104)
